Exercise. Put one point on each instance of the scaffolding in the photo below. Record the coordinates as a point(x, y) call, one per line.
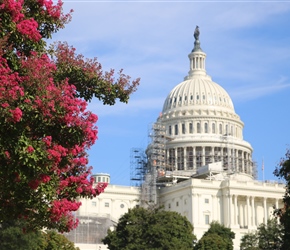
point(144, 169)
point(92, 229)
point(138, 166)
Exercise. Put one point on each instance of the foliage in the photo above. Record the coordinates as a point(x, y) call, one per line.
point(282, 171)
point(12, 236)
point(45, 128)
point(56, 241)
point(216, 235)
point(267, 237)
point(212, 241)
point(151, 228)
point(250, 242)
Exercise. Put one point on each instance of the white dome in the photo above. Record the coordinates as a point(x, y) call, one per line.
point(197, 92)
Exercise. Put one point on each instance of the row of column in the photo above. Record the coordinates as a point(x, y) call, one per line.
point(204, 127)
point(249, 213)
point(234, 211)
point(191, 158)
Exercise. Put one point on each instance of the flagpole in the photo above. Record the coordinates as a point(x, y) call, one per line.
point(263, 169)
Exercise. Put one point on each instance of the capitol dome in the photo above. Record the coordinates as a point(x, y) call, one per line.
point(201, 128)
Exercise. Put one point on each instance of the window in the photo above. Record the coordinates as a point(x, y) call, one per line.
point(183, 128)
point(169, 130)
point(177, 203)
point(197, 97)
point(185, 98)
point(99, 179)
point(213, 128)
point(206, 219)
point(190, 128)
point(94, 203)
point(180, 98)
point(185, 201)
point(169, 205)
point(205, 128)
point(107, 204)
point(122, 205)
point(176, 129)
point(198, 127)
point(221, 129)
point(206, 200)
point(191, 97)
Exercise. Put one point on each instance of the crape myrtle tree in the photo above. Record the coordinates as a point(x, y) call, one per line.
point(151, 228)
point(45, 126)
point(282, 171)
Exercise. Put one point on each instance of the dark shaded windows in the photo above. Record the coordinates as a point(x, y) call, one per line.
point(183, 128)
point(205, 128)
point(176, 130)
point(190, 128)
point(198, 128)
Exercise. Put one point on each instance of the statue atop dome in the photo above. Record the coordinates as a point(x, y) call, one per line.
point(196, 42)
point(196, 33)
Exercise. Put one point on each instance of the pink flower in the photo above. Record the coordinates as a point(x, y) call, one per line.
point(16, 114)
point(44, 178)
point(7, 154)
point(29, 28)
point(30, 149)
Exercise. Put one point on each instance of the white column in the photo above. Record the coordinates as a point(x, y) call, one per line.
point(248, 211)
point(265, 211)
point(253, 211)
point(213, 217)
point(277, 204)
point(199, 208)
point(236, 210)
point(230, 199)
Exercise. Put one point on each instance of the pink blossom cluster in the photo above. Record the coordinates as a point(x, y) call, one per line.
point(52, 10)
point(16, 114)
point(14, 8)
point(28, 28)
point(61, 209)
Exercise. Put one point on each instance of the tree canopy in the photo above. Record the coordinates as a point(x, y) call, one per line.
point(151, 228)
point(216, 237)
point(282, 171)
point(45, 127)
point(12, 236)
point(267, 237)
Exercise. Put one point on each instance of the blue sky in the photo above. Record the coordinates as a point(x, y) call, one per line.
point(248, 53)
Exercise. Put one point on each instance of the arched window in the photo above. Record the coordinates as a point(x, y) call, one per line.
point(221, 129)
point(176, 129)
point(169, 130)
point(183, 128)
point(190, 128)
point(213, 128)
point(198, 128)
point(206, 128)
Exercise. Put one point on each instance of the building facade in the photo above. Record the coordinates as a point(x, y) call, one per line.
point(197, 164)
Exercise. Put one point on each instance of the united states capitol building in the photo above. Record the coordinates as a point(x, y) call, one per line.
point(197, 164)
